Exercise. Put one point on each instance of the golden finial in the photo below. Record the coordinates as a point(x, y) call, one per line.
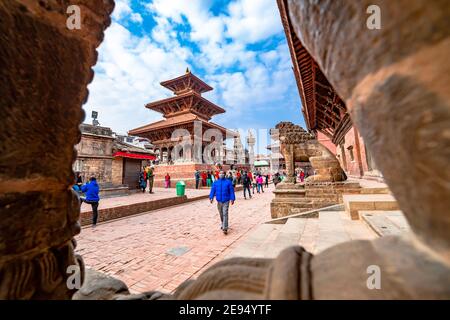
point(187, 70)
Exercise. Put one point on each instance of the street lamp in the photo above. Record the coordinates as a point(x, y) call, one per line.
point(94, 116)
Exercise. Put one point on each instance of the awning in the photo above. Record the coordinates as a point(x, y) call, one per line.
point(134, 155)
point(261, 163)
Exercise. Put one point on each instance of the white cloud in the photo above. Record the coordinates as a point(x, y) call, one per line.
point(127, 77)
point(130, 68)
point(136, 17)
point(250, 21)
point(122, 10)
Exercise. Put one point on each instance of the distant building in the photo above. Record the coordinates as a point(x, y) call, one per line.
point(95, 153)
point(114, 163)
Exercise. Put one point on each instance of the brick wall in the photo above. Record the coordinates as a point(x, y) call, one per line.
point(353, 143)
point(326, 142)
point(179, 172)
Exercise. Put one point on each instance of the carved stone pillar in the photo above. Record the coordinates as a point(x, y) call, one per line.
point(44, 71)
point(290, 163)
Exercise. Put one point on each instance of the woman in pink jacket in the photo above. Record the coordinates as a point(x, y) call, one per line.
point(259, 182)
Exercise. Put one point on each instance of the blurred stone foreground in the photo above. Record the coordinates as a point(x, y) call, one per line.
point(395, 85)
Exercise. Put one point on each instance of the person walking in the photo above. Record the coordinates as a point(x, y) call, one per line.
point(302, 176)
point(246, 184)
point(238, 176)
point(223, 190)
point(204, 177)
point(167, 180)
point(276, 179)
point(142, 180)
point(254, 185)
point(250, 176)
point(259, 183)
point(234, 180)
point(266, 182)
point(91, 191)
point(197, 178)
point(208, 179)
point(216, 175)
point(150, 178)
point(230, 177)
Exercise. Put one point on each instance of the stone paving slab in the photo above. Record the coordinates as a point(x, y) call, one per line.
point(386, 222)
point(161, 249)
point(355, 203)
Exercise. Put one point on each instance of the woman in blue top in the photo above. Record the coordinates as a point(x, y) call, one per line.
point(91, 190)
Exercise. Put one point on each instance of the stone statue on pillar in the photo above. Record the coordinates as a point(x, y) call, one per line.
point(251, 149)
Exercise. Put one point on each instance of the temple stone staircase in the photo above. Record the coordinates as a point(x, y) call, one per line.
point(371, 214)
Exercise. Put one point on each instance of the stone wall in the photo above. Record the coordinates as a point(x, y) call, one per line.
point(99, 168)
point(117, 171)
point(94, 157)
point(135, 208)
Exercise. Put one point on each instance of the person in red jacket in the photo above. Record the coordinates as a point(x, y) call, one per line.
point(167, 180)
point(204, 176)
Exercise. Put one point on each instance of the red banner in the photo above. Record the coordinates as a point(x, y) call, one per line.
point(134, 155)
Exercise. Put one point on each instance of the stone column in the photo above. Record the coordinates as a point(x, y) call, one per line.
point(290, 163)
point(44, 71)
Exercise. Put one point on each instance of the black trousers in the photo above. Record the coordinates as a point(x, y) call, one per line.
point(197, 181)
point(247, 187)
point(94, 205)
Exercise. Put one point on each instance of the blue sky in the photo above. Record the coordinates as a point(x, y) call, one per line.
point(238, 47)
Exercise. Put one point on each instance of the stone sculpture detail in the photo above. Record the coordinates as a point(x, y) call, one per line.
point(44, 71)
point(296, 144)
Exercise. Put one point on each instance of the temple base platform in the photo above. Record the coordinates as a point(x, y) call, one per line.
point(293, 198)
point(182, 172)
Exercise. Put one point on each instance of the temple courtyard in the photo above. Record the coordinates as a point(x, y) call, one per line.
point(159, 249)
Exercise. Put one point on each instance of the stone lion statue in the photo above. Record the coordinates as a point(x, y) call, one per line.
point(296, 144)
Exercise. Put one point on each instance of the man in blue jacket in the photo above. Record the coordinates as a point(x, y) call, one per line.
point(223, 190)
point(91, 191)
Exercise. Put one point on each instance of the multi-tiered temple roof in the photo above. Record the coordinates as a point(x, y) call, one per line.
point(180, 111)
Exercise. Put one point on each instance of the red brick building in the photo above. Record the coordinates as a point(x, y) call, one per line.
point(324, 111)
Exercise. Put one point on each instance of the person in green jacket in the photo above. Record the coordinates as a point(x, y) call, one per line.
point(150, 178)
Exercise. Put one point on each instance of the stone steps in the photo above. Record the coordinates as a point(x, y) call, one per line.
point(385, 223)
point(330, 230)
point(372, 202)
point(252, 245)
point(288, 235)
point(314, 234)
point(380, 190)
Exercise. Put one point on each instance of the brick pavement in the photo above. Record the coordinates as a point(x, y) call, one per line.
point(159, 250)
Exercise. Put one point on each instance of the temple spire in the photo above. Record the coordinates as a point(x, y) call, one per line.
point(187, 70)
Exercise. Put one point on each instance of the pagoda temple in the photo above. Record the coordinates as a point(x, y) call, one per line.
point(181, 155)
